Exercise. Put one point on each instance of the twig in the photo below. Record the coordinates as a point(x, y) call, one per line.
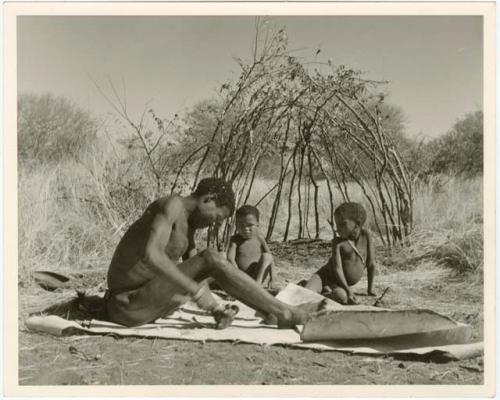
point(269, 191)
point(381, 297)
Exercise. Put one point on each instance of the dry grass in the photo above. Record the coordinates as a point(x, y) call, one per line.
point(57, 230)
point(68, 219)
point(448, 226)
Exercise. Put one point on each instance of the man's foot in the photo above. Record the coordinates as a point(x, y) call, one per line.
point(225, 316)
point(300, 314)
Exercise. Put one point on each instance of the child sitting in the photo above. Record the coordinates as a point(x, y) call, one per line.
point(248, 250)
point(352, 253)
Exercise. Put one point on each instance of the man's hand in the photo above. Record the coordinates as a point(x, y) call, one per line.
point(204, 299)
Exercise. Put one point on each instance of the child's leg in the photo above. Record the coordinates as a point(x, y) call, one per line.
point(264, 268)
point(315, 284)
point(339, 295)
point(271, 275)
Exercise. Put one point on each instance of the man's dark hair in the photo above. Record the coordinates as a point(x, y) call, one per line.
point(353, 211)
point(243, 211)
point(224, 195)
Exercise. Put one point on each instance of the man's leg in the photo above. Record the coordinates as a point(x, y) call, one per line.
point(159, 296)
point(242, 287)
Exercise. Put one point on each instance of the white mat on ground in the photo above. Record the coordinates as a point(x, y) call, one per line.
point(354, 329)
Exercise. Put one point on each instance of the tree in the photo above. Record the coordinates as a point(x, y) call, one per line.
point(52, 129)
point(460, 150)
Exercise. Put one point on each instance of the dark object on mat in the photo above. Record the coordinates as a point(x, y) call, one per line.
point(82, 307)
point(379, 300)
point(50, 280)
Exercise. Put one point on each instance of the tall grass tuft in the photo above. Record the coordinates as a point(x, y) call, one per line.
point(448, 226)
point(463, 252)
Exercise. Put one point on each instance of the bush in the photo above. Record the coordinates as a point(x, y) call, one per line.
point(463, 252)
point(52, 129)
point(460, 151)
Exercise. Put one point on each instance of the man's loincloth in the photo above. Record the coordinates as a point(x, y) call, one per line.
point(141, 305)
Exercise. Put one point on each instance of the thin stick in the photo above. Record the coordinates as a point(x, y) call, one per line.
point(381, 297)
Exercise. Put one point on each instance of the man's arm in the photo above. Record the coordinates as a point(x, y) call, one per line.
point(155, 255)
point(231, 253)
point(370, 263)
point(191, 250)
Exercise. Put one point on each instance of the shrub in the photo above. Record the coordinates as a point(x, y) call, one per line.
point(460, 151)
point(52, 129)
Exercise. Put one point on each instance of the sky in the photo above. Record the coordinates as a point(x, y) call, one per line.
point(433, 63)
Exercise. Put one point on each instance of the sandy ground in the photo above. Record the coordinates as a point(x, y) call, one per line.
point(108, 360)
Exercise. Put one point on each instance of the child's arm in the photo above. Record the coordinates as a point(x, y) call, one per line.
point(339, 274)
point(231, 253)
point(263, 245)
point(370, 264)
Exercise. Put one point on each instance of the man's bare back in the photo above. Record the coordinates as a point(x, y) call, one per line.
point(128, 269)
point(144, 279)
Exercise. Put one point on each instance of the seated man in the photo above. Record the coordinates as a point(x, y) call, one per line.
point(248, 250)
point(352, 253)
point(145, 282)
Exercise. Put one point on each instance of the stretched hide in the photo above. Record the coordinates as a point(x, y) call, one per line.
point(417, 334)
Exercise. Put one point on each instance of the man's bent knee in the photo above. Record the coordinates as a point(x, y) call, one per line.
point(215, 263)
point(211, 256)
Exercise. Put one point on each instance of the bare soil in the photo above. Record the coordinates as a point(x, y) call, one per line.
point(109, 360)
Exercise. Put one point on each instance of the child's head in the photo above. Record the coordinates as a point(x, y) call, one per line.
point(247, 221)
point(349, 218)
